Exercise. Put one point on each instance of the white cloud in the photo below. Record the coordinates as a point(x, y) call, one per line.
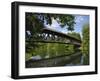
point(57, 27)
point(79, 19)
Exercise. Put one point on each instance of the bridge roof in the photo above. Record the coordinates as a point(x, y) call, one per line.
point(52, 31)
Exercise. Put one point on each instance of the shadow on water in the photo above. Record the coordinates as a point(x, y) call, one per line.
point(65, 60)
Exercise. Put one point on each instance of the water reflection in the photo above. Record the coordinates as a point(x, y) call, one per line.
point(54, 54)
point(72, 60)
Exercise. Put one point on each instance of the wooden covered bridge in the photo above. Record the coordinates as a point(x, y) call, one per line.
point(53, 36)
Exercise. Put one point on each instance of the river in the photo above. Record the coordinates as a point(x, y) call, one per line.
point(66, 60)
point(55, 54)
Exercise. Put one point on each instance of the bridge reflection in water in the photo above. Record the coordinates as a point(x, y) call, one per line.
point(66, 60)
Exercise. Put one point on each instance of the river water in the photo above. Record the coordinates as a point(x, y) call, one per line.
point(76, 59)
point(54, 55)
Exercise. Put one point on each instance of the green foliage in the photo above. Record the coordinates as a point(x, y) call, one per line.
point(37, 20)
point(33, 24)
point(75, 35)
point(85, 39)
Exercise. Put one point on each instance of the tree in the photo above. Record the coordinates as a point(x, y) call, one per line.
point(85, 39)
point(85, 43)
point(35, 21)
point(33, 24)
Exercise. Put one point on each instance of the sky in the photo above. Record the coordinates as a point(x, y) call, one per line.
point(79, 19)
